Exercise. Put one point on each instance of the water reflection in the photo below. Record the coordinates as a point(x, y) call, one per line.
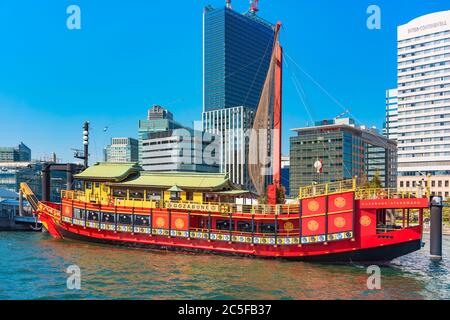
point(34, 267)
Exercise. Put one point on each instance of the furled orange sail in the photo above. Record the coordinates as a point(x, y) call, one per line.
point(265, 139)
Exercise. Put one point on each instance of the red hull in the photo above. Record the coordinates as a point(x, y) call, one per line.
point(364, 246)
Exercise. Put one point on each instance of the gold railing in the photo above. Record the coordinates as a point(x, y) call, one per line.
point(371, 194)
point(328, 188)
point(360, 193)
point(214, 207)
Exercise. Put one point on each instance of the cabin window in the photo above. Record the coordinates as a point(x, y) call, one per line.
point(189, 196)
point(125, 219)
point(120, 193)
point(93, 216)
point(153, 195)
point(142, 221)
point(109, 218)
point(244, 226)
point(79, 213)
point(224, 225)
point(267, 228)
point(136, 194)
point(97, 184)
point(88, 185)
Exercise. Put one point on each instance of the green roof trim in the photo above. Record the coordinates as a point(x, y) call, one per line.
point(183, 180)
point(109, 172)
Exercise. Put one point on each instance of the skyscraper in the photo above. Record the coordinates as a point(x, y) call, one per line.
point(424, 102)
point(237, 50)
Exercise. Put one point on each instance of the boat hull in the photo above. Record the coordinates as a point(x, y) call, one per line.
point(369, 255)
point(376, 249)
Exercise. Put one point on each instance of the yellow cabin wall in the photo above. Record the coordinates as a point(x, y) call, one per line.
point(103, 193)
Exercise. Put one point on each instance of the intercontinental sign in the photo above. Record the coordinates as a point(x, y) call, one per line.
point(428, 26)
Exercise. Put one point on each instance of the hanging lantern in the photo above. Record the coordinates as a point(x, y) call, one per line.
point(319, 166)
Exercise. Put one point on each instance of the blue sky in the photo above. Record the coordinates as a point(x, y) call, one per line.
point(132, 54)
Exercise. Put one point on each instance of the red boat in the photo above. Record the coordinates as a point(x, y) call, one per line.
point(336, 222)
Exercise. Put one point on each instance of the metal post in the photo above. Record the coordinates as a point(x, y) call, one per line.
point(151, 219)
point(209, 225)
point(231, 227)
point(189, 225)
point(300, 221)
point(276, 229)
point(170, 222)
point(20, 203)
point(69, 175)
point(253, 229)
point(436, 228)
point(86, 144)
point(46, 183)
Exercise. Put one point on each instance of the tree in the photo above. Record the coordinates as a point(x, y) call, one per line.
point(376, 183)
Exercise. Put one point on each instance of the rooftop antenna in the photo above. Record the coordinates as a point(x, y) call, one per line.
point(229, 4)
point(254, 6)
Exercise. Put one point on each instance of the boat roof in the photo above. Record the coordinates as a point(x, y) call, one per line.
point(129, 175)
point(183, 180)
point(109, 172)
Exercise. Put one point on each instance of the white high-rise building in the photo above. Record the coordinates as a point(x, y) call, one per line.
point(390, 130)
point(424, 102)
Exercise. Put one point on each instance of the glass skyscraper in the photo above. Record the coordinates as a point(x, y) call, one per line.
point(237, 51)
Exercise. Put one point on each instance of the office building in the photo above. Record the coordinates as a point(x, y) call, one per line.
point(424, 102)
point(236, 57)
point(158, 120)
point(15, 154)
point(122, 150)
point(166, 145)
point(345, 150)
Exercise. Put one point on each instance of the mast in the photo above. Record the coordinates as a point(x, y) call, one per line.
point(277, 110)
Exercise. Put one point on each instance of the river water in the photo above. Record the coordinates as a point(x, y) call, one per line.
point(34, 265)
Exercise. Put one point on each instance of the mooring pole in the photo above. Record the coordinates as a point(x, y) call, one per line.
point(436, 228)
point(20, 203)
point(46, 183)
